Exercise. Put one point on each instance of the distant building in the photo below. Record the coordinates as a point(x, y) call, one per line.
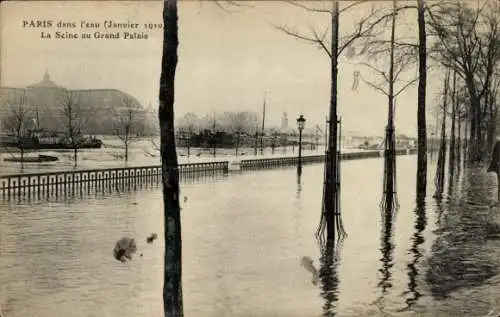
point(102, 108)
point(284, 122)
point(45, 83)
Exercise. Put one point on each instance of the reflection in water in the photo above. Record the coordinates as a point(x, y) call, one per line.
point(387, 249)
point(439, 211)
point(454, 178)
point(299, 184)
point(241, 251)
point(416, 252)
point(451, 183)
point(460, 256)
point(328, 274)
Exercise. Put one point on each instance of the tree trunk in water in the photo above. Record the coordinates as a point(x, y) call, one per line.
point(474, 112)
point(439, 180)
point(465, 149)
point(458, 143)
point(172, 285)
point(475, 131)
point(490, 137)
point(389, 200)
point(331, 206)
point(435, 148)
point(421, 120)
point(451, 161)
point(493, 131)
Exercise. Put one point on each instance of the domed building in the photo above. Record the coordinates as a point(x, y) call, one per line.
point(98, 111)
point(45, 83)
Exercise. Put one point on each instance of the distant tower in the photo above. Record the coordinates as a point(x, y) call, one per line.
point(46, 76)
point(284, 121)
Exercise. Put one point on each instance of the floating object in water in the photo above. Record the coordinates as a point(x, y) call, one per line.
point(124, 249)
point(152, 237)
point(307, 263)
point(134, 203)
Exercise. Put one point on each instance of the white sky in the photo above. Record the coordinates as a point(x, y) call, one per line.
point(226, 61)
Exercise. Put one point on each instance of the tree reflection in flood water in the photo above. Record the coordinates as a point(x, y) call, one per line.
point(416, 241)
point(245, 234)
point(460, 257)
point(329, 259)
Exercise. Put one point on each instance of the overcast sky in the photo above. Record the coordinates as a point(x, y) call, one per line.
point(227, 60)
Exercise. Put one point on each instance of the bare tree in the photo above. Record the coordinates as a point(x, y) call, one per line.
point(401, 57)
point(239, 124)
point(421, 111)
point(73, 105)
point(126, 123)
point(469, 43)
point(439, 177)
point(334, 48)
point(212, 122)
point(491, 105)
point(453, 117)
point(188, 125)
point(172, 285)
point(18, 119)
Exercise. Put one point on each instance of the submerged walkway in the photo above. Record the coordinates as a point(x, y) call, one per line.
point(87, 181)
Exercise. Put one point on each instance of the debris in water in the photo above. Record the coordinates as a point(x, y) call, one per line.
point(152, 237)
point(307, 263)
point(124, 249)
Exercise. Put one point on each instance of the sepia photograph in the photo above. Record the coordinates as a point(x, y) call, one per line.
point(237, 158)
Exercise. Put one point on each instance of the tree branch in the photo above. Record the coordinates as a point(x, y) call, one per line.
point(411, 82)
point(315, 39)
point(377, 88)
point(310, 9)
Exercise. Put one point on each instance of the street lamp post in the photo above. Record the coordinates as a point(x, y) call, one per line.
point(301, 121)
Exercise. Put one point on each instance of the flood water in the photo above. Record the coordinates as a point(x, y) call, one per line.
point(244, 237)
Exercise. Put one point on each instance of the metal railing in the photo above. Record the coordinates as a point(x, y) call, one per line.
point(96, 180)
point(64, 183)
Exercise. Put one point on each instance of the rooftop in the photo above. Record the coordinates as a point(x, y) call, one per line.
point(45, 82)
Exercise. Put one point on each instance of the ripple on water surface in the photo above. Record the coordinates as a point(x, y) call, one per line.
point(244, 238)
